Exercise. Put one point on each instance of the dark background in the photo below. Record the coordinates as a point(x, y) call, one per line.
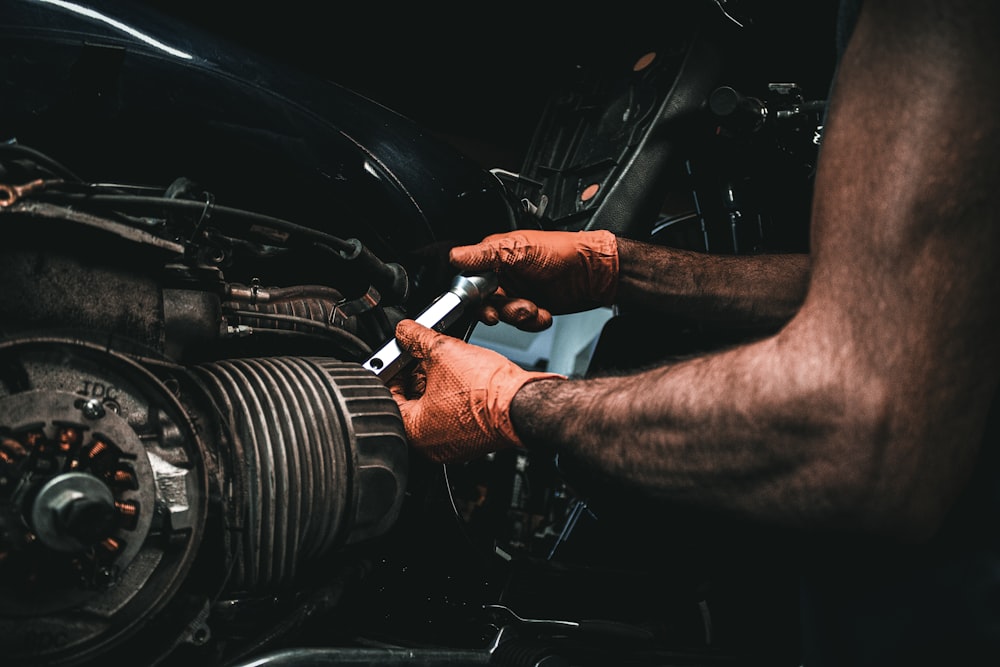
point(480, 74)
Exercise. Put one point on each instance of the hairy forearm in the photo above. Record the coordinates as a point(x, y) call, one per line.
point(762, 431)
point(745, 289)
point(866, 410)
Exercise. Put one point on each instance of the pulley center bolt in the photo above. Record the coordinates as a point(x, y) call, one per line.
point(73, 511)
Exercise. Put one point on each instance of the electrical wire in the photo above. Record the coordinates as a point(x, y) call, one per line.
point(250, 218)
point(12, 147)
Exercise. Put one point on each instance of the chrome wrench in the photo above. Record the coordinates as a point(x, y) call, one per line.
point(466, 291)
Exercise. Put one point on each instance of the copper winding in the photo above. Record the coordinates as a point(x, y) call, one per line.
point(68, 436)
point(13, 446)
point(110, 544)
point(127, 507)
point(123, 477)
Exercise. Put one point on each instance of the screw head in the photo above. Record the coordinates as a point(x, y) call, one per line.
point(92, 409)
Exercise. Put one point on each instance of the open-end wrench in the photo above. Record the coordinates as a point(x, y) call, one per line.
point(466, 291)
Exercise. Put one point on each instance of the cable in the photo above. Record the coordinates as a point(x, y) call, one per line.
point(11, 146)
point(198, 207)
point(389, 278)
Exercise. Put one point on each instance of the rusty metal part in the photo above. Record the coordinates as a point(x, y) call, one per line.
point(10, 194)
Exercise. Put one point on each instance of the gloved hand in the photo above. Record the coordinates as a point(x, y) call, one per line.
point(543, 273)
point(456, 406)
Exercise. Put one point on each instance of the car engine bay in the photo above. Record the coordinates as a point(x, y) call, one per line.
point(203, 244)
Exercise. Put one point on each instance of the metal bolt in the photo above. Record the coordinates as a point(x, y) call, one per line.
point(92, 409)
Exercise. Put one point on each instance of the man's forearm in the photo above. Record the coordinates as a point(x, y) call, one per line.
point(762, 430)
point(732, 289)
point(867, 409)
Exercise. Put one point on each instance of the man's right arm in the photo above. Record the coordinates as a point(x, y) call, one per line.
point(867, 411)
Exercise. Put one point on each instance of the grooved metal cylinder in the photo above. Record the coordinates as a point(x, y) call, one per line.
point(322, 458)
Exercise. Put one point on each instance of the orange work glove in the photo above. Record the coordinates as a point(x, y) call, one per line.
point(543, 273)
point(457, 407)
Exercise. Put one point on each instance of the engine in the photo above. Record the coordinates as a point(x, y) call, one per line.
point(133, 418)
